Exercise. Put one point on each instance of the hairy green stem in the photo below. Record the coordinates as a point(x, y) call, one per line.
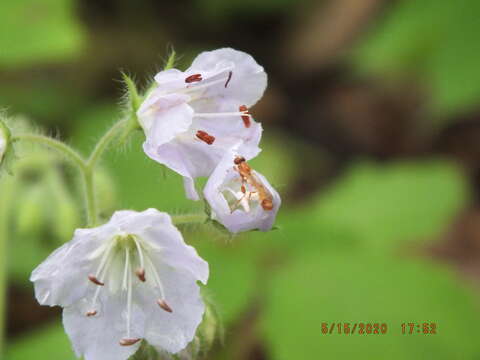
point(189, 219)
point(8, 189)
point(59, 146)
point(103, 143)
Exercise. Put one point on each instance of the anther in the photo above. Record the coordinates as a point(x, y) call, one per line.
point(140, 274)
point(229, 78)
point(129, 342)
point(94, 280)
point(244, 190)
point(193, 78)
point(246, 117)
point(164, 305)
point(91, 313)
point(267, 204)
point(205, 137)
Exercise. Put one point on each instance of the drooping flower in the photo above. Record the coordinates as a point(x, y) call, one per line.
point(132, 278)
point(193, 117)
point(241, 198)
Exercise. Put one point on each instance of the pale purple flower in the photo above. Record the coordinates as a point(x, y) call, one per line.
point(193, 117)
point(241, 198)
point(133, 278)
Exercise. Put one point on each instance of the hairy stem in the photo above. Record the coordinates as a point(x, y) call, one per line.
point(189, 219)
point(59, 146)
point(8, 190)
point(103, 143)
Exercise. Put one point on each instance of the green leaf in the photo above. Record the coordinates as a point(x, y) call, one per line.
point(52, 341)
point(320, 288)
point(433, 42)
point(35, 31)
point(378, 208)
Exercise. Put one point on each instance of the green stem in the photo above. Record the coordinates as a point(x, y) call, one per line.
point(103, 143)
point(90, 201)
point(88, 171)
point(59, 146)
point(189, 219)
point(8, 190)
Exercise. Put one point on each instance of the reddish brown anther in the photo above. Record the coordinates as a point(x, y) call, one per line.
point(193, 78)
point(129, 342)
point(94, 280)
point(244, 190)
point(91, 313)
point(229, 78)
point(164, 305)
point(205, 137)
point(246, 117)
point(140, 274)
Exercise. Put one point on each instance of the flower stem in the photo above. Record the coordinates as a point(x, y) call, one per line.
point(103, 143)
point(7, 193)
point(90, 201)
point(189, 219)
point(59, 146)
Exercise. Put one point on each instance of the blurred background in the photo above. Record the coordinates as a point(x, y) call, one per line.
point(371, 136)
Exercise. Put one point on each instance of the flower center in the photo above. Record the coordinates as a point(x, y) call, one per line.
point(128, 249)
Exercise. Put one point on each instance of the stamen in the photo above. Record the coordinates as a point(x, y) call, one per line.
point(104, 270)
point(221, 114)
point(164, 305)
point(205, 137)
point(129, 342)
point(125, 269)
point(203, 85)
point(141, 271)
point(193, 78)
point(229, 78)
point(161, 302)
point(246, 117)
point(94, 280)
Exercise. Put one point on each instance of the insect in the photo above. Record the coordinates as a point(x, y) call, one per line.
point(248, 177)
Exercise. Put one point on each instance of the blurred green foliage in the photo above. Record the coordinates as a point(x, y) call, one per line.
point(34, 31)
point(434, 41)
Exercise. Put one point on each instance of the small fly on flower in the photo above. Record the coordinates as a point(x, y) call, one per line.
point(249, 178)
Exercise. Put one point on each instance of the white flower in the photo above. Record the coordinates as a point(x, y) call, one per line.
point(133, 278)
point(240, 198)
point(191, 118)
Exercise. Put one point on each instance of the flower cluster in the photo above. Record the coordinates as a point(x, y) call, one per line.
point(197, 122)
point(134, 278)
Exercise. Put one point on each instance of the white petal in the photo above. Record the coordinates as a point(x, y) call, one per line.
point(189, 186)
point(173, 331)
point(248, 81)
point(97, 337)
point(62, 278)
point(168, 247)
point(164, 116)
